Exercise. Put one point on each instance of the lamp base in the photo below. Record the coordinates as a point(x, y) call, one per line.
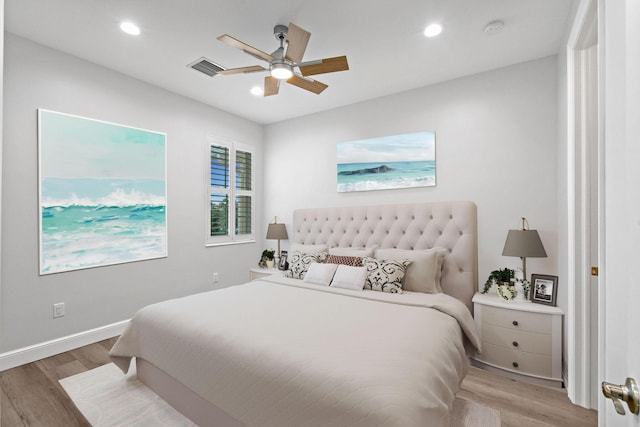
point(522, 295)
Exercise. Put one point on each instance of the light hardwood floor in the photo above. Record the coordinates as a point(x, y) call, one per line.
point(31, 395)
point(524, 405)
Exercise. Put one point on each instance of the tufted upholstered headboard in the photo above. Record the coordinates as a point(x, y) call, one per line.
point(450, 225)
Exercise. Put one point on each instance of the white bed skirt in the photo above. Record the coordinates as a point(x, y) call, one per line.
point(184, 400)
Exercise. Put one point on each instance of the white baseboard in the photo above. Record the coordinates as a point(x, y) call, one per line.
point(29, 354)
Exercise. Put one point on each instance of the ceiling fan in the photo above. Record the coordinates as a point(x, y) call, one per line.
point(285, 63)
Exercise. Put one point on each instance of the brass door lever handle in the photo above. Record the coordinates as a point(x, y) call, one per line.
point(628, 392)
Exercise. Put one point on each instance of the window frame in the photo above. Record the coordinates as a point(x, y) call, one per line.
point(231, 191)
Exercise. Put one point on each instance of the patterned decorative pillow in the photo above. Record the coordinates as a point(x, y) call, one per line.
point(299, 263)
point(353, 261)
point(385, 276)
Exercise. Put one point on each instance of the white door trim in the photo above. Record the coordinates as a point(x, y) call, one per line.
point(1, 143)
point(580, 345)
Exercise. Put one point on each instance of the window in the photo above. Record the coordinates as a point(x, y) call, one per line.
point(231, 198)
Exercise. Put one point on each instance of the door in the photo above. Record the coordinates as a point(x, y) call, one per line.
point(619, 343)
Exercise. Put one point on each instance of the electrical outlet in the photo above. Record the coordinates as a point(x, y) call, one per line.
point(215, 277)
point(58, 310)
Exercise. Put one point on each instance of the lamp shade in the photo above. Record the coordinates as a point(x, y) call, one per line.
point(524, 244)
point(277, 232)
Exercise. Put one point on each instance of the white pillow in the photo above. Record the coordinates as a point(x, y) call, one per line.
point(359, 252)
point(320, 274)
point(308, 249)
point(348, 277)
point(425, 270)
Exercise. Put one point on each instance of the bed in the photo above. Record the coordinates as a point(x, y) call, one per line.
point(280, 351)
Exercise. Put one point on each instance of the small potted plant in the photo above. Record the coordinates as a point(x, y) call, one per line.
point(504, 284)
point(267, 260)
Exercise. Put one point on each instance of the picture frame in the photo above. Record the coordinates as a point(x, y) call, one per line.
point(544, 289)
point(283, 264)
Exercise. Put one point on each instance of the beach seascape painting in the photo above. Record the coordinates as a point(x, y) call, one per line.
point(102, 193)
point(389, 162)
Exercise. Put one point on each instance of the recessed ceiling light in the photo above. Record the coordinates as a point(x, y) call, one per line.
point(433, 30)
point(130, 28)
point(257, 91)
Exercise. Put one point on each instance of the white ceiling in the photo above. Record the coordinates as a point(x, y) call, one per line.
point(383, 41)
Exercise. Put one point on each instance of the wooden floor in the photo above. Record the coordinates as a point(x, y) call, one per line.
point(524, 405)
point(31, 395)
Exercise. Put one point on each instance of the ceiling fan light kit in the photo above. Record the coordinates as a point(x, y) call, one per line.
point(285, 63)
point(281, 70)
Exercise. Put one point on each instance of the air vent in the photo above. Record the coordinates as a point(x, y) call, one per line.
point(206, 66)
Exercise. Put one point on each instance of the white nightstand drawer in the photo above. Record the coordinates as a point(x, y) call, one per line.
point(516, 319)
point(536, 328)
point(517, 361)
point(530, 342)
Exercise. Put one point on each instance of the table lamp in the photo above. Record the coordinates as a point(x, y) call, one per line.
point(277, 232)
point(525, 244)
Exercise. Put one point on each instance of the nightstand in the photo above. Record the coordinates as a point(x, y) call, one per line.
point(520, 339)
point(257, 272)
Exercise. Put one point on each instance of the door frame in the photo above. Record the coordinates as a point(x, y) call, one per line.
point(1, 145)
point(582, 341)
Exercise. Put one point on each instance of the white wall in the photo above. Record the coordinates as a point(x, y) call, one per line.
point(38, 77)
point(496, 144)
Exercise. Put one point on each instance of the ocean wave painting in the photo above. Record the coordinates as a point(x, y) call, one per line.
point(384, 163)
point(102, 193)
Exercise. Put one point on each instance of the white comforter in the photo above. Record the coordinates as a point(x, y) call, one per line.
point(291, 354)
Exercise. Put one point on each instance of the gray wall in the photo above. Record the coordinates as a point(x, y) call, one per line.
point(38, 77)
point(496, 144)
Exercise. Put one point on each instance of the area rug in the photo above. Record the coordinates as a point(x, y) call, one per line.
point(109, 399)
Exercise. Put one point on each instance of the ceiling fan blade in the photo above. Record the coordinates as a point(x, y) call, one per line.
point(297, 39)
point(307, 84)
point(271, 86)
point(327, 65)
point(250, 69)
point(233, 42)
